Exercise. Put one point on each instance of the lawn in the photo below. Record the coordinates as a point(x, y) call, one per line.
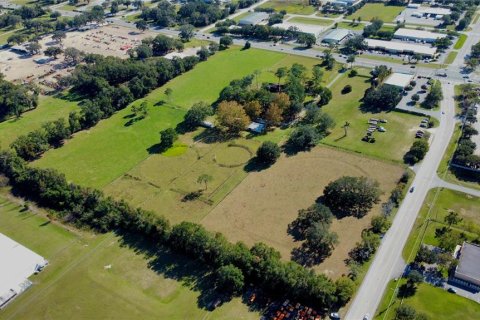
point(49, 108)
point(290, 6)
point(265, 202)
point(382, 11)
point(147, 284)
point(314, 21)
point(104, 153)
point(460, 42)
point(451, 57)
point(436, 303)
point(390, 145)
point(351, 26)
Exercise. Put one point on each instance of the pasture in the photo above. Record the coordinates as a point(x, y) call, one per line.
point(390, 145)
point(49, 108)
point(290, 6)
point(381, 11)
point(90, 271)
point(104, 153)
point(263, 205)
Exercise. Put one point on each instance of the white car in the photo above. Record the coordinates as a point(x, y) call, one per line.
point(366, 317)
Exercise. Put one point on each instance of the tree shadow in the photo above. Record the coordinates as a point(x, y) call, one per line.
point(156, 149)
point(253, 165)
point(213, 135)
point(133, 120)
point(307, 257)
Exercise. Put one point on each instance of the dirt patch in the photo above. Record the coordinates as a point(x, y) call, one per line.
point(263, 205)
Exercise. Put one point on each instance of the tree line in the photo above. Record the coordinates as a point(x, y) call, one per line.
point(16, 99)
point(86, 207)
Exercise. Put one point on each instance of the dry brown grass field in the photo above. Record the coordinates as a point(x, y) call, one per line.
point(263, 205)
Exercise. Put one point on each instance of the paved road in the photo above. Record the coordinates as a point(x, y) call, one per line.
point(389, 255)
point(447, 185)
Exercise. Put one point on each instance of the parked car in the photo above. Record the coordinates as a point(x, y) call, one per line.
point(412, 189)
point(334, 316)
point(451, 290)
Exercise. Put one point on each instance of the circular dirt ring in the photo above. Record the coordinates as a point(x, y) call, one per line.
point(232, 156)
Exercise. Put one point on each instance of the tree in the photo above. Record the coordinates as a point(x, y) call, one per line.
point(345, 287)
point(53, 52)
point(268, 153)
point(197, 114)
point(225, 42)
point(247, 45)
point(231, 117)
point(415, 97)
point(204, 179)
point(351, 60)
point(186, 32)
point(317, 76)
point(281, 73)
point(384, 97)
point(434, 96)
point(452, 218)
point(58, 36)
point(405, 312)
point(230, 279)
point(303, 138)
point(33, 47)
point(316, 213)
point(168, 92)
point(167, 138)
point(253, 109)
point(141, 25)
point(273, 115)
point(380, 224)
point(73, 55)
point(306, 39)
point(352, 195)
point(324, 96)
point(114, 8)
point(417, 151)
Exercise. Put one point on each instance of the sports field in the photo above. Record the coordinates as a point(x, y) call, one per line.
point(390, 145)
point(262, 206)
point(49, 108)
point(290, 6)
point(89, 272)
point(381, 11)
point(104, 153)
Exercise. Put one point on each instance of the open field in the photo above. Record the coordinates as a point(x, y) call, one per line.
point(436, 303)
point(49, 108)
point(351, 26)
point(377, 10)
point(76, 284)
point(290, 6)
point(319, 22)
point(460, 42)
point(263, 205)
point(390, 145)
point(110, 149)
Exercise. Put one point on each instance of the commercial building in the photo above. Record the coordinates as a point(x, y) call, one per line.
point(429, 12)
point(335, 36)
point(345, 3)
point(399, 80)
point(305, 28)
point(417, 35)
point(468, 270)
point(400, 47)
point(254, 19)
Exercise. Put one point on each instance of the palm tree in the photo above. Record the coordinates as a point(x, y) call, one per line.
point(205, 179)
point(345, 127)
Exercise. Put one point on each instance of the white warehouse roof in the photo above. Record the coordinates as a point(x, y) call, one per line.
point(400, 47)
point(305, 28)
point(435, 11)
point(398, 79)
point(254, 18)
point(336, 35)
point(418, 34)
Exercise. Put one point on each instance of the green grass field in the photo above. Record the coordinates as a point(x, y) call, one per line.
point(290, 6)
point(460, 42)
point(390, 145)
point(451, 57)
point(313, 21)
point(104, 153)
point(377, 10)
point(146, 284)
point(436, 303)
point(49, 108)
point(351, 26)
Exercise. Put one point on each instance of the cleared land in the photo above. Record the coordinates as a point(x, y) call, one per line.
point(319, 22)
point(49, 108)
point(377, 10)
point(390, 145)
point(290, 6)
point(263, 205)
point(104, 153)
point(88, 272)
point(436, 303)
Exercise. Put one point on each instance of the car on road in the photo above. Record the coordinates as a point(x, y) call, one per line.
point(412, 189)
point(451, 290)
point(366, 317)
point(334, 316)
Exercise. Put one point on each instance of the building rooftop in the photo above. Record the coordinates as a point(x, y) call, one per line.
point(419, 34)
point(336, 34)
point(469, 262)
point(305, 28)
point(401, 46)
point(398, 79)
point(254, 18)
point(439, 11)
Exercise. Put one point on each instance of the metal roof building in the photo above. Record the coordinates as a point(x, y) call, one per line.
point(335, 36)
point(468, 269)
point(417, 35)
point(401, 47)
point(398, 79)
point(253, 18)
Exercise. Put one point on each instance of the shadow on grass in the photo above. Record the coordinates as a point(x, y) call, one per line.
point(253, 165)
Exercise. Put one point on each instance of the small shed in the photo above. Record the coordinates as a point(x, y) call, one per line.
point(256, 127)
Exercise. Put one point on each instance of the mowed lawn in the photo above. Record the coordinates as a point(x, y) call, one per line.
point(314, 21)
point(436, 207)
point(262, 206)
point(390, 145)
point(98, 156)
point(377, 10)
point(49, 108)
point(290, 6)
point(77, 285)
point(434, 302)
